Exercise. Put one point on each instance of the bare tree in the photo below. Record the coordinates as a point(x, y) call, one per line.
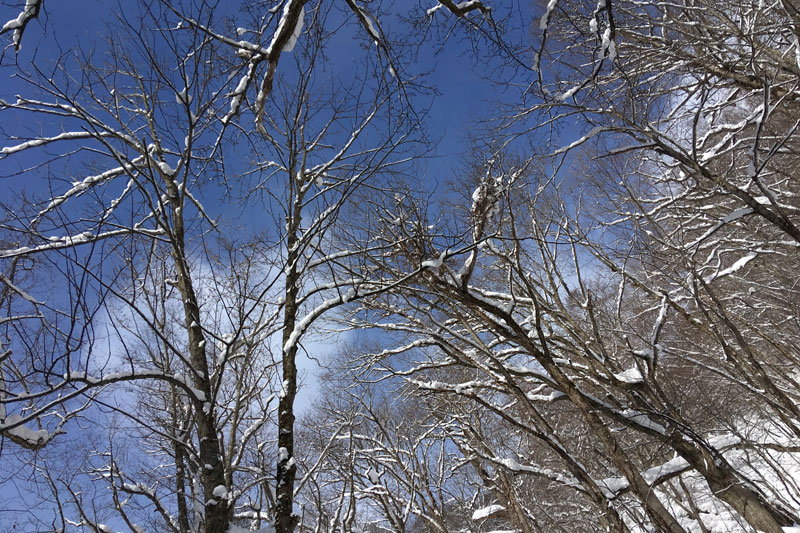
point(192, 200)
point(520, 299)
point(685, 198)
point(204, 317)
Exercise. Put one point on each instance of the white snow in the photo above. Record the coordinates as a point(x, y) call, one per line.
point(31, 436)
point(435, 263)
point(461, 6)
point(483, 199)
point(197, 505)
point(594, 131)
point(298, 28)
point(220, 491)
point(511, 463)
point(672, 466)
point(613, 485)
point(238, 93)
point(643, 420)
point(183, 97)
point(545, 397)
point(370, 21)
point(607, 47)
point(66, 136)
point(165, 168)
point(198, 394)
point(736, 214)
point(17, 23)
point(433, 9)
point(566, 95)
point(796, 49)
point(545, 20)
point(478, 194)
point(241, 86)
point(19, 291)
point(80, 187)
point(737, 265)
point(305, 323)
point(284, 388)
point(727, 219)
point(24, 14)
point(631, 375)
point(283, 454)
point(282, 23)
point(487, 511)
point(467, 4)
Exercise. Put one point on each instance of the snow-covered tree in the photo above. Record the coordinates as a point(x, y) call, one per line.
point(174, 238)
point(594, 329)
point(636, 267)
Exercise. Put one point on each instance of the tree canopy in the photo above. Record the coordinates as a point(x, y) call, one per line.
point(251, 282)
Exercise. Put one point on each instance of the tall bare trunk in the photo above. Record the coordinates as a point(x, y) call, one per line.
point(285, 519)
point(217, 510)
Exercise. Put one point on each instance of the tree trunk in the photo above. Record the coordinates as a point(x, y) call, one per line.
point(656, 511)
point(180, 464)
point(736, 492)
point(285, 519)
point(217, 510)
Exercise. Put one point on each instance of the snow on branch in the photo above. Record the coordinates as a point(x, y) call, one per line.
point(79, 187)
point(25, 296)
point(592, 133)
point(66, 136)
point(22, 435)
point(544, 22)
point(490, 511)
point(368, 20)
point(462, 8)
point(18, 24)
point(284, 38)
point(373, 27)
point(613, 487)
point(87, 237)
